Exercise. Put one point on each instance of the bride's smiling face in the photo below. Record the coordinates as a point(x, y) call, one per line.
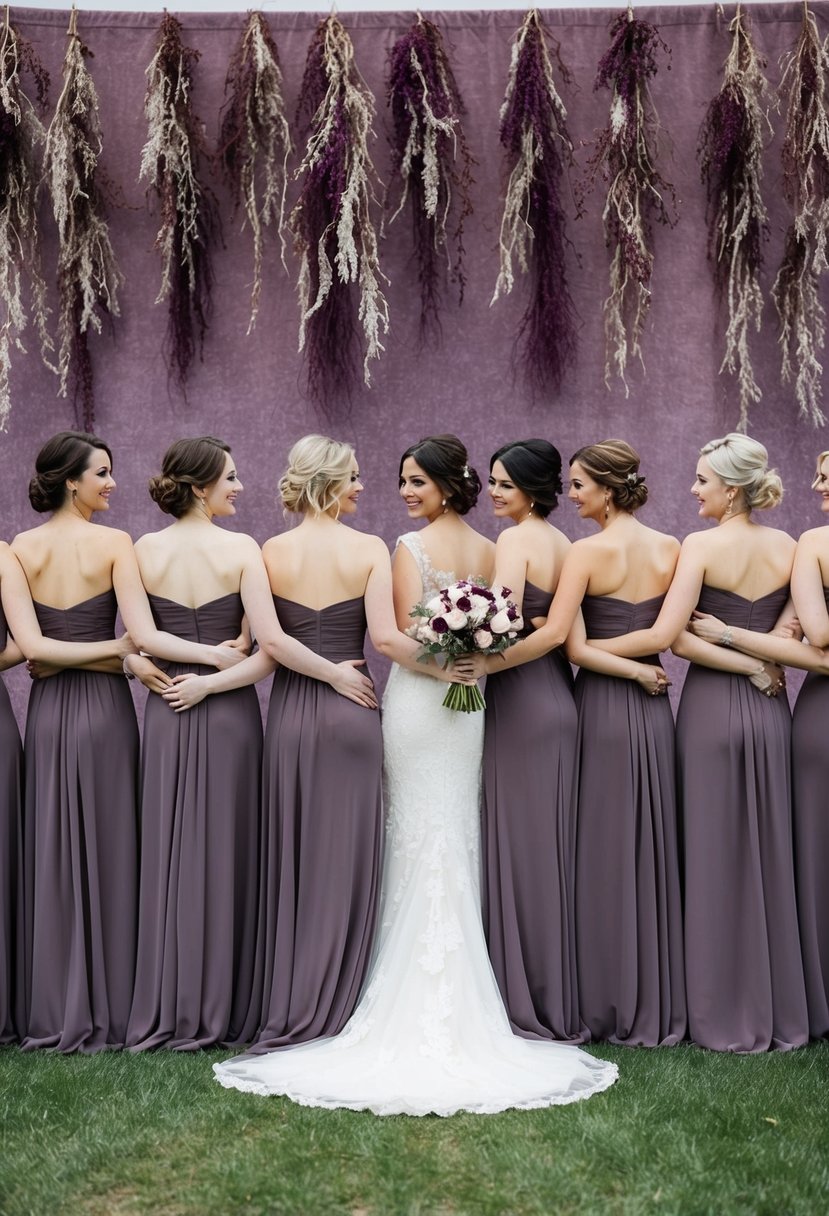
point(423, 496)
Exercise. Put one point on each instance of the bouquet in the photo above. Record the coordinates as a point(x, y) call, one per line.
point(466, 618)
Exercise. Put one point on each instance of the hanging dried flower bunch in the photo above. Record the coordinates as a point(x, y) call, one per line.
point(170, 162)
point(88, 275)
point(255, 140)
point(21, 136)
point(533, 226)
point(806, 188)
point(636, 195)
point(331, 222)
point(730, 153)
point(431, 158)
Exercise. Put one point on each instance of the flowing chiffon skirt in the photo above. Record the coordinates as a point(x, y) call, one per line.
point(744, 970)
point(11, 860)
point(80, 847)
point(195, 972)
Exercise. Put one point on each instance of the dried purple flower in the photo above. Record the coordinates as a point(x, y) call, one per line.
point(21, 136)
point(533, 226)
point(171, 163)
point(730, 154)
point(255, 140)
point(334, 235)
point(427, 144)
point(625, 155)
point(796, 291)
point(88, 274)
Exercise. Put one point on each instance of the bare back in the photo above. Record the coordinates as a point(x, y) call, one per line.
point(533, 551)
point(193, 562)
point(68, 561)
point(745, 558)
point(320, 563)
point(628, 561)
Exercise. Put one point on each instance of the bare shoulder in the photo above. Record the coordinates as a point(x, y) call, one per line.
point(663, 540)
point(241, 543)
point(776, 536)
point(814, 540)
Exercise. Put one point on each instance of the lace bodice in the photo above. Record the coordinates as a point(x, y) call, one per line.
point(432, 580)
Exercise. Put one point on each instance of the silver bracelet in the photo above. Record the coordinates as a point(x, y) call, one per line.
point(727, 638)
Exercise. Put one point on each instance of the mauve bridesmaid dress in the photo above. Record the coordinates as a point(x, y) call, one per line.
point(528, 839)
point(80, 868)
point(11, 763)
point(744, 971)
point(200, 784)
point(628, 905)
point(323, 835)
point(810, 806)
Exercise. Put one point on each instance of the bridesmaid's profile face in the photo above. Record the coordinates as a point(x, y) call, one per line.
point(95, 484)
point(586, 493)
point(821, 483)
point(508, 501)
point(710, 491)
point(351, 491)
point(423, 496)
point(220, 497)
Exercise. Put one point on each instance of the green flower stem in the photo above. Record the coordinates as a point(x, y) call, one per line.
point(467, 698)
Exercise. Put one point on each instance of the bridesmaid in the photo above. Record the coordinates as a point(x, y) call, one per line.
point(527, 842)
point(75, 972)
point(11, 762)
point(627, 903)
point(196, 979)
point(323, 756)
point(744, 974)
point(810, 591)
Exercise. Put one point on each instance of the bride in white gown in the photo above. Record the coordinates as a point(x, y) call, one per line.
point(430, 1034)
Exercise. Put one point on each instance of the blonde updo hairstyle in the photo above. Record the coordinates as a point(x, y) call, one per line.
point(318, 471)
point(743, 462)
point(615, 465)
point(188, 465)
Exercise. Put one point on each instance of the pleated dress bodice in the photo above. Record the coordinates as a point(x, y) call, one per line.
point(605, 616)
point(212, 623)
point(336, 632)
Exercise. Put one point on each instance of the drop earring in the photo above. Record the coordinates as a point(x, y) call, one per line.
point(443, 504)
point(606, 507)
point(730, 506)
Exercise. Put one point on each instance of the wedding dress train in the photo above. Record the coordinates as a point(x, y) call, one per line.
point(430, 1034)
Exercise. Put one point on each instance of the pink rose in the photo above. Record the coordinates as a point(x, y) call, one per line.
point(482, 639)
point(456, 619)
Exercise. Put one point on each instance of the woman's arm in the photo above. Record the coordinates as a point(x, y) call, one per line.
point(186, 691)
point(383, 629)
point(680, 601)
point(785, 651)
point(807, 587)
point(25, 628)
point(579, 651)
point(138, 618)
point(273, 641)
point(571, 590)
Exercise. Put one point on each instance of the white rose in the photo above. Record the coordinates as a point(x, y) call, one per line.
point(426, 634)
point(482, 638)
point(435, 606)
point(456, 619)
point(455, 592)
point(501, 623)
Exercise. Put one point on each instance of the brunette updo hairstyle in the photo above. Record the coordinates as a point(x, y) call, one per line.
point(64, 458)
point(444, 459)
point(188, 464)
point(317, 473)
point(534, 465)
point(738, 460)
point(615, 465)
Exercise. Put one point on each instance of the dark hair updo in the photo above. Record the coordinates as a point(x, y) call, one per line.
point(614, 464)
point(188, 464)
point(444, 459)
point(534, 466)
point(64, 458)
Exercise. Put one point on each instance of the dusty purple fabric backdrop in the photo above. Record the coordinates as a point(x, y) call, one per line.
point(249, 389)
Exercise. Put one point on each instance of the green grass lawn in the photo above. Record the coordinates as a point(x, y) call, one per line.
point(683, 1131)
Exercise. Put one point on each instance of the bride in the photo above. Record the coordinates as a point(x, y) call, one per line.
point(430, 1034)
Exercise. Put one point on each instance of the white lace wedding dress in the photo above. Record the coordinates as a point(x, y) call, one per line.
point(430, 1034)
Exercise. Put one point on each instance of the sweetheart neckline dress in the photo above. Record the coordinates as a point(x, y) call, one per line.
point(628, 904)
point(743, 966)
point(11, 862)
point(528, 838)
point(430, 1034)
point(200, 820)
point(80, 846)
point(323, 835)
